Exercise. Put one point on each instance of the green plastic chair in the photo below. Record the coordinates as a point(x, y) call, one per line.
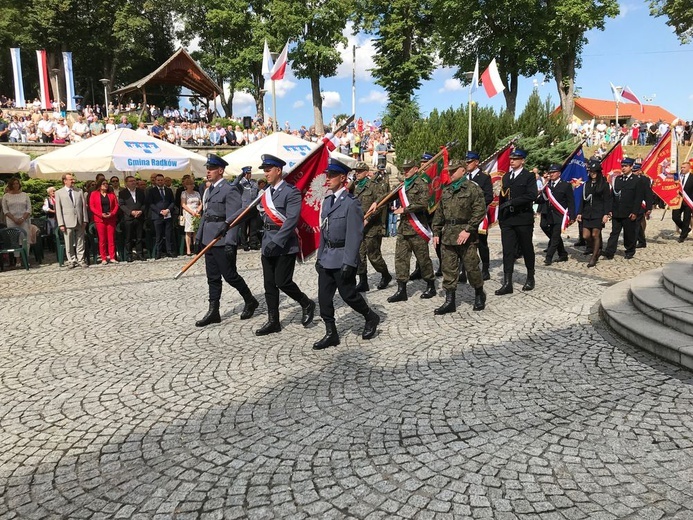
point(13, 241)
point(59, 245)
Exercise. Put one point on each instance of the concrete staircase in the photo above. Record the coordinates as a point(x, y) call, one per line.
point(654, 311)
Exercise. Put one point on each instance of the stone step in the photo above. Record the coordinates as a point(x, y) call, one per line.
point(651, 298)
point(618, 311)
point(678, 278)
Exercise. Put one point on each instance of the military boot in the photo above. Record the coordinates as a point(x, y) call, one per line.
point(507, 287)
point(212, 315)
point(430, 291)
point(463, 274)
point(362, 286)
point(272, 325)
point(385, 280)
point(479, 299)
point(485, 275)
point(529, 284)
point(449, 305)
point(401, 294)
point(330, 339)
point(251, 305)
point(416, 275)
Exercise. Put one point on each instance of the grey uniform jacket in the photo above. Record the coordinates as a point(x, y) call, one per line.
point(70, 214)
point(249, 192)
point(287, 200)
point(341, 232)
point(223, 205)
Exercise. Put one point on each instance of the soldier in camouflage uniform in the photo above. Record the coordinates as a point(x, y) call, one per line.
point(369, 191)
point(462, 208)
point(409, 239)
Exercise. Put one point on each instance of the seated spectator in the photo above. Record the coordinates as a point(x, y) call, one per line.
point(110, 125)
point(31, 133)
point(96, 127)
point(62, 132)
point(79, 130)
point(124, 123)
point(46, 128)
point(142, 128)
point(14, 130)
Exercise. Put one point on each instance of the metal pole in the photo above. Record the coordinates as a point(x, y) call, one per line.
point(274, 107)
point(353, 81)
point(469, 130)
point(616, 114)
point(57, 88)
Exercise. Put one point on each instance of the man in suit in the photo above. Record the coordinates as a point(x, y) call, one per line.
point(161, 203)
point(645, 206)
point(483, 180)
point(248, 229)
point(132, 205)
point(72, 218)
point(625, 205)
point(682, 216)
point(221, 207)
point(555, 198)
point(282, 207)
point(516, 220)
point(341, 233)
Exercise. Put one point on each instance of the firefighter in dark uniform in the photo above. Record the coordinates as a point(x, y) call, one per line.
point(516, 220)
point(341, 232)
point(645, 206)
point(456, 226)
point(483, 180)
point(221, 204)
point(282, 207)
point(552, 218)
point(369, 190)
point(626, 202)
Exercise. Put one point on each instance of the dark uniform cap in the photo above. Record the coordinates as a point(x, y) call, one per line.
point(426, 157)
point(270, 161)
point(214, 161)
point(594, 166)
point(246, 169)
point(409, 163)
point(554, 168)
point(337, 168)
point(455, 164)
point(637, 167)
point(361, 167)
point(627, 161)
point(472, 156)
point(518, 153)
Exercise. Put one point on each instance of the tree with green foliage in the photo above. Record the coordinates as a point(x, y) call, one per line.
point(538, 118)
point(679, 15)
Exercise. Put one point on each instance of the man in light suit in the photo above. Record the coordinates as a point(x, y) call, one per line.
point(341, 234)
point(222, 204)
point(282, 207)
point(132, 203)
point(161, 203)
point(72, 218)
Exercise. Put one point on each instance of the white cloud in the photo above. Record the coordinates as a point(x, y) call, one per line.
point(451, 85)
point(625, 9)
point(375, 96)
point(299, 104)
point(281, 87)
point(330, 99)
point(364, 55)
point(243, 104)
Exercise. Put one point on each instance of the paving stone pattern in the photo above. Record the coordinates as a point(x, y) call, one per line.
point(113, 405)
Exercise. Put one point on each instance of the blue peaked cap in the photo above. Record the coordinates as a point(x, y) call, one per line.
point(338, 168)
point(214, 161)
point(271, 161)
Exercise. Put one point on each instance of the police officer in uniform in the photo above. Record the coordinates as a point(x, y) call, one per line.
point(414, 212)
point(456, 226)
point(483, 180)
point(369, 191)
point(341, 232)
point(516, 220)
point(626, 202)
point(645, 206)
point(248, 229)
point(222, 204)
point(551, 218)
point(282, 207)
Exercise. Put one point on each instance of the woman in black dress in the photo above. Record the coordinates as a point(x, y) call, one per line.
point(594, 209)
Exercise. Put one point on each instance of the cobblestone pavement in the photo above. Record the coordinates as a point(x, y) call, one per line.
point(113, 405)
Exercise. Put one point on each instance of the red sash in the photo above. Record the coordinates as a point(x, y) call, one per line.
point(270, 210)
point(557, 206)
point(418, 226)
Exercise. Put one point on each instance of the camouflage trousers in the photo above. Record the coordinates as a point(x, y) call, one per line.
point(370, 247)
point(450, 265)
point(406, 245)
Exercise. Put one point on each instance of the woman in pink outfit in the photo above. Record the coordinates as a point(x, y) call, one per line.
point(104, 207)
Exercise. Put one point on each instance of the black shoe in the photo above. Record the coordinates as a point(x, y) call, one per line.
point(548, 261)
point(401, 294)
point(485, 275)
point(369, 329)
point(587, 252)
point(330, 339)
point(592, 263)
point(629, 256)
point(681, 239)
point(562, 259)
point(463, 276)
point(479, 299)
point(363, 286)
point(608, 256)
point(439, 273)
point(507, 287)
point(449, 305)
point(212, 315)
point(246, 248)
point(430, 291)
point(641, 245)
point(308, 312)
point(580, 243)
point(385, 280)
point(272, 325)
point(529, 283)
point(251, 305)
point(416, 275)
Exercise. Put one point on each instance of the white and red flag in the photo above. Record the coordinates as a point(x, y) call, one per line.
point(44, 85)
point(628, 94)
point(267, 64)
point(495, 167)
point(279, 69)
point(658, 167)
point(611, 164)
point(491, 80)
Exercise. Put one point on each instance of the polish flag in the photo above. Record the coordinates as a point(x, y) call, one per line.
point(628, 94)
point(266, 61)
point(279, 68)
point(492, 80)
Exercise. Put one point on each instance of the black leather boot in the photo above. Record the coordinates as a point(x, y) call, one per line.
point(212, 315)
point(479, 299)
point(362, 286)
point(463, 275)
point(385, 280)
point(416, 275)
point(271, 326)
point(485, 275)
point(401, 294)
point(507, 287)
point(449, 305)
point(330, 339)
point(251, 305)
point(308, 307)
point(529, 284)
point(430, 291)
point(372, 320)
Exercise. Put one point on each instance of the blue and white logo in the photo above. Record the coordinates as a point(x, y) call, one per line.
point(146, 147)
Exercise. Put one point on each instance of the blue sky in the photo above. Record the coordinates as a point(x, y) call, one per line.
point(635, 49)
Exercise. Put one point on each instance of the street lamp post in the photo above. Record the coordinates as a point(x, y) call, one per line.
point(105, 82)
point(618, 99)
point(57, 88)
point(353, 81)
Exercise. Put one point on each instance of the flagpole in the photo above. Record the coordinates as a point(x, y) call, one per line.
point(469, 130)
point(274, 108)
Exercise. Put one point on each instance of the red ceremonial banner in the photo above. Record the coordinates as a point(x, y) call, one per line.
point(611, 164)
point(656, 167)
point(495, 167)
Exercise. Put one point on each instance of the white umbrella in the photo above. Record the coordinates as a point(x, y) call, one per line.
point(13, 161)
point(288, 147)
point(117, 152)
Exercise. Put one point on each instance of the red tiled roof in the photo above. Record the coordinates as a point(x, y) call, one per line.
point(601, 109)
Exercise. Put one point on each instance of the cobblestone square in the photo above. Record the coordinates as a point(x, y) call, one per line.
point(114, 405)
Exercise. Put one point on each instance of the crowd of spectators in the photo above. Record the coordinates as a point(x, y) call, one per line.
point(640, 133)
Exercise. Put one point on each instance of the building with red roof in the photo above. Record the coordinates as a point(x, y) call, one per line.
point(586, 109)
